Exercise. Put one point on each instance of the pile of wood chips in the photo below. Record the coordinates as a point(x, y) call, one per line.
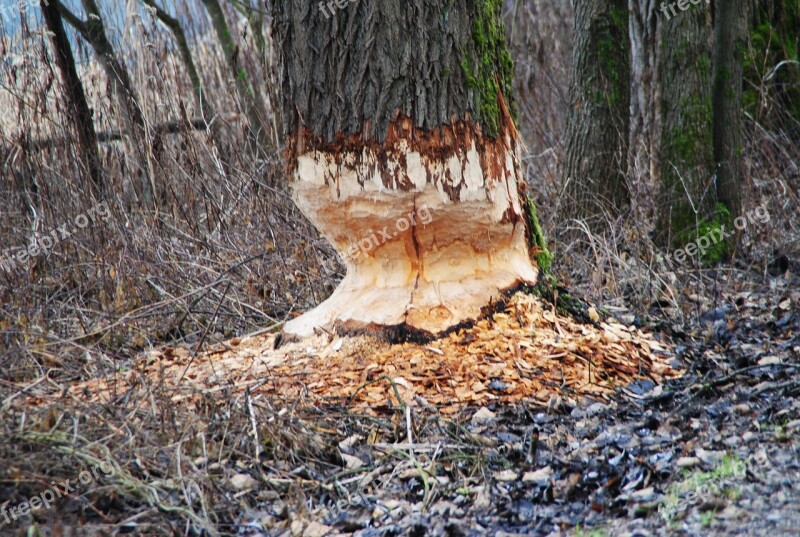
point(525, 353)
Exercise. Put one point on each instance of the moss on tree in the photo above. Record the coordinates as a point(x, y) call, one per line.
point(488, 68)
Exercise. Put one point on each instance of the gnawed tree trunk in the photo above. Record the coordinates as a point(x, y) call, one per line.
point(685, 158)
point(599, 119)
point(404, 155)
point(730, 45)
point(80, 113)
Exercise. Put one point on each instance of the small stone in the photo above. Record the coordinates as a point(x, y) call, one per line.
point(506, 476)
point(688, 462)
point(540, 477)
point(315, 529)
point(483, 416)
point(351, 462)
point(709, 457)
point(742, 409)
point(243, 482)
point(644, 495)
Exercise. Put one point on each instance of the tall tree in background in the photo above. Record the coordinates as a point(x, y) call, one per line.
point(93, 31)
point(685, 160)
point(175, 28)
point(730, 45)
point(244, 88)
point(78, 108)
point(644, 116)
point(599, 118)
point(772, 95)
point(404, 154)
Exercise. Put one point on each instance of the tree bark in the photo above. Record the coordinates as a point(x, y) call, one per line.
point(773, 66)
point(594, 172)
point(404, 154)
point(244, 89)
point(730, 44)
point(81, 115)
point(93, 32)
point(644, 116)
point(685, 159)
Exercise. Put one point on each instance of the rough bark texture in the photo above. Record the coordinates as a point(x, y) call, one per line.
point(730, 44)
point(353, 70)
point(404, 154)
point(599, 120)
point(79, 110)
point(644, 116)
point(685, 159)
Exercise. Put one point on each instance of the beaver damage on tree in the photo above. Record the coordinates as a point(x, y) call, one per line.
point(430, 224)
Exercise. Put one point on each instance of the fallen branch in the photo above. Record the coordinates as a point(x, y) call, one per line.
point(113, 135)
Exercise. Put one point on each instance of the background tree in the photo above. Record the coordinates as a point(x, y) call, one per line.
point(596, 150)
point(404, 154)
point(644, 112)
point(241, 79)
point(685, 160)
point(93, 31)
point(730, 45)
point(772, 66)
point(78, 108)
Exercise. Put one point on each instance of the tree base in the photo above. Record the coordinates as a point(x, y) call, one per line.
point(415, 258)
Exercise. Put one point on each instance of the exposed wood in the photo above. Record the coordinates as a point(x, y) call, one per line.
point(392, 112)
point(429, 224)
point(523, 353)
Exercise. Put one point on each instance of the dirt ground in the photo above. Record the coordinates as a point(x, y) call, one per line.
point(712, 452)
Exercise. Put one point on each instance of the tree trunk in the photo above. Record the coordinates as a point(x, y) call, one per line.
point(404, 154)
point(599, 120)
point(644, 116)
point(80, 114)
point(93, 31)
point(685, 159)
point(773, 98)
point(730, 44)
point(174, 26)
point(204, 107)
point(244, 90)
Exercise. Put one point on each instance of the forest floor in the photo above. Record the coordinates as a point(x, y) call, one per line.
point(711, 452)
